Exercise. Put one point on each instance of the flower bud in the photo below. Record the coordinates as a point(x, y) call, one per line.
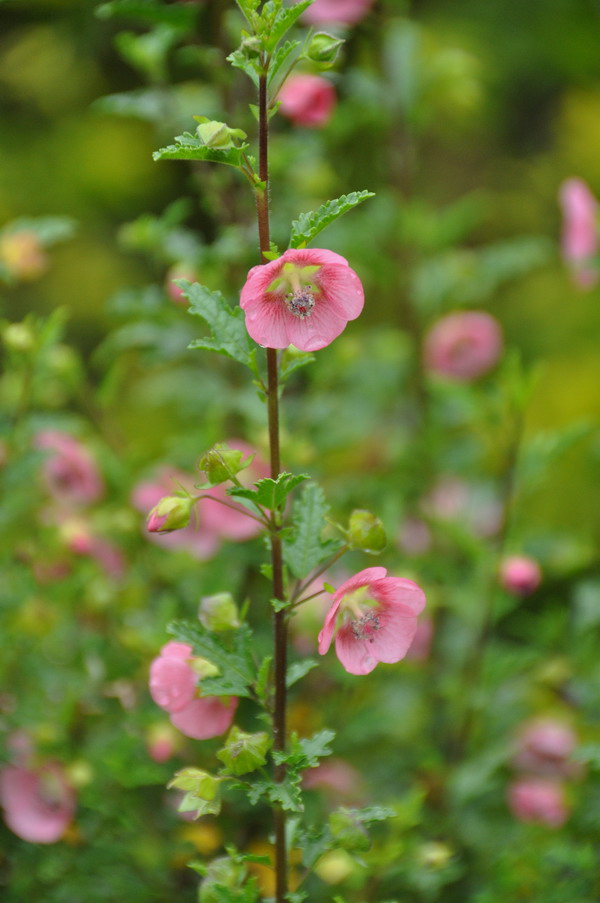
point(219, 612)
point(366, 532)
point(348, 831)
point(323, 48)
point(244, 752)
point(172, 513)
point(222, 463)
point(216, 134)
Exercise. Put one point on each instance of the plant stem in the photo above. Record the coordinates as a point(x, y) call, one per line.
point(279, 617)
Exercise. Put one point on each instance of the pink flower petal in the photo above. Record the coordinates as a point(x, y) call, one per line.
point(355, 655)
point(404, 596)
point(172, 683)
point(38, 805)
point(207, 717)
point(392, 641)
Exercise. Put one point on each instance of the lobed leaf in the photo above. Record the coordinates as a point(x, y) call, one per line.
point(188, 147)
point(306, 549)
point(283, 21)
point(270, 494)
point(228, 331)
point(234, 661)
point(308, 225)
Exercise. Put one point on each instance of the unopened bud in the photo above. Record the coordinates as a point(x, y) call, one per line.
point(201, 791)
point(323, 48)
point(219, 612)
point(172, 513)
point(366, 532)
point(216, 134)
point(222, 463)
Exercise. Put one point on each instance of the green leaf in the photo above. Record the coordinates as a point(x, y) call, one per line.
point(305, 549)
point(305, 753)
point(188, 147)
point(227, 324)
point(270, 493)
point(297, 670)
point(308, 225)
point(280, 56)
point(279, 604)
point(152, 12)
point(262, 678)
point(286, 793)
point(233, 660)
point(283, 21)
point(292, 361)
point(244, 752)
point(239, 60)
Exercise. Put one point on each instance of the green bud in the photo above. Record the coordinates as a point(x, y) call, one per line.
point(323, 48)
point(366, 532)
point(201, 791)
point(216, 134)
point(244, 752)
point(222, 463)
point(172, 513)
point(18, 337)
point(348, 831)
point(221, 872)
point(219, 612)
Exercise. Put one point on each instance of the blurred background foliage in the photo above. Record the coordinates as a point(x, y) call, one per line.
point(464, 118)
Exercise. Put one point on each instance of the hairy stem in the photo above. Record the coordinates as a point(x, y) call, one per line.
point(279, 617)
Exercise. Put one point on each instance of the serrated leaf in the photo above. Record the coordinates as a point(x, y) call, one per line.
point(239, 60)
point(233, 661)
point(283, 21)
point(227, 324)
point(305, 549)
point(286, 793)
point(270, 493)
point(280, 56)
point(188, 147)
point(308, 225)
point(262, 677)
point(298, 670)
point(307, 752)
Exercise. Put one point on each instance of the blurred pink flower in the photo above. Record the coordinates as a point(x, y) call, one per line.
point(373, 618)
point(520, 575)
point(337, 778)
point(580, 230)
point(544, 746)
point(173, 686)
point(473, 505)
point(463, 345)
point(304, 298)
point(38, 804)
point(23, 255)
point(414, 536)
point(307, 100)
point(343, 12)
point(179, 271)
point(71, 474)
point(538, 800)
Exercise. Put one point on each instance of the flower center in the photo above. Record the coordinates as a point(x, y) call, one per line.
point(364, 627)
point(300, 303)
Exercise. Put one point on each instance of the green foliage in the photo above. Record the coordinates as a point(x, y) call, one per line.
point(232, 656)
point(305, 548)
point(308, 225)
point(270, 494)
point(151, 12)
point(228, 331)
point(244, 752)
point(297, 670)
point(189, 147)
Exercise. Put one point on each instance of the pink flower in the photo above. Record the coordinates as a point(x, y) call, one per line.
point(38, 805)
point(539, 801)
point(178, 271)
point(545, 746)
point(337, 778)
point(520, 575)
point(463, 346)
point(173, 686)
point(70, 472)
point(304, 298)
point(307, 100)
point(374, 619)
point(344, 12)
point(472, 505)
point(580, 230)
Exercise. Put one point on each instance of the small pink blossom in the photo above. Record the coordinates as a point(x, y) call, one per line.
point(307, 100)
point(373, 618)
point(38, 804)
point(342, 12)
point(580, 238)
point(544, 747)
point(173, 686)
point(520, 575)
point(304, 298)
point(71, 474)
point(539, 801)
point(179, 271)
point(463, 345)
point(162, 742)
